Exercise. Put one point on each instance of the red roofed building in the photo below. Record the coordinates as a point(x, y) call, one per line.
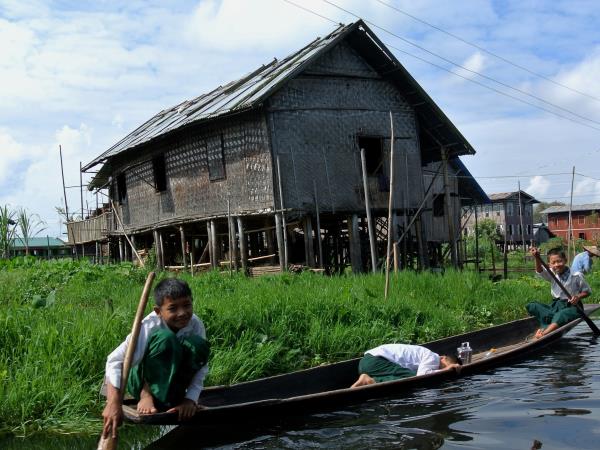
point(584, 218)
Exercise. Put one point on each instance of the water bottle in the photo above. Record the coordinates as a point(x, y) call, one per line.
point(465, 352)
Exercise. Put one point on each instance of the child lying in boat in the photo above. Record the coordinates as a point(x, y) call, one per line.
point(169, 363)
point(395, 361)
point(562, 310)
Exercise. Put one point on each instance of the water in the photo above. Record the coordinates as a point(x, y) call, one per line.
point(552, 400)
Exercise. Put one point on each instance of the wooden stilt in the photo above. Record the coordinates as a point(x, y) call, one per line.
point(183, 253)
point(214, 255)
point(372, 243)
point(163, 259)
point(121, 257)
point(279, 237)
point(318, 230)
point(243, 246)
point(448, 210)
point(309, 251)
point(390, 204)
point(354, 238)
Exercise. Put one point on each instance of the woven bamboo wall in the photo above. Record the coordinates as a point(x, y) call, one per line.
point(436, 228)
point(190, 192)
point(315, 120)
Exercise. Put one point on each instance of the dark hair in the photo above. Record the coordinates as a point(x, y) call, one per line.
point(454, 359)
point(172, 288)
point(557, 252)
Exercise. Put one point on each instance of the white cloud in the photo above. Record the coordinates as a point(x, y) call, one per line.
point(538, 186)
point(474, 63)
point(587, 189)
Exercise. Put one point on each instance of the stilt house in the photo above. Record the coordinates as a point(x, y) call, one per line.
point(267, 169)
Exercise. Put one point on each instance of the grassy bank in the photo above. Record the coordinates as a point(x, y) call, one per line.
point(59, 320)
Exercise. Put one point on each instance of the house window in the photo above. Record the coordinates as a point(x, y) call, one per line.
point(581, 220)
point(160, 172)
point(529, 229)
point(215, 154)
point(510, 230)
point(555, 221)
point(121, 188)
point(510, 208)
point(582, 236)
point(373, 147)
point(438, 205)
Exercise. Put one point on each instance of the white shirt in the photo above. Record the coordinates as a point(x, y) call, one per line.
point(413, 357)
point(114, 362)
point(572, 281)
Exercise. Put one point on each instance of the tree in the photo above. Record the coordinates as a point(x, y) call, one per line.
point(7, 230)
point(488, 231)
point(30, 225)
point(537, 211)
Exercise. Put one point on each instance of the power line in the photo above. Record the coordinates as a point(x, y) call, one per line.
point(489, 52)
point(408, 41)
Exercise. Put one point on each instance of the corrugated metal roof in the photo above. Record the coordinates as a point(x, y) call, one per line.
point(18, 243)
point(565, 208)
point(251, 90)
point(506, 195)
point(239, 95)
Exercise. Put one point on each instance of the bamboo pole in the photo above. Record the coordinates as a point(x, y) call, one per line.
point(229, 235)
point(390, 204)
point(62, 171)
point(521, 221)
point(183, 253)
point(125, 234)
point(243, 247)
point(81, 189)
point(372, 244)
point(318, 231)
point(570, 228)
point(283, 220)
point(279, 238)
point(451, 236)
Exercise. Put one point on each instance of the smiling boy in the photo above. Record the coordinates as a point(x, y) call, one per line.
point(169, 362)
point(562, 309)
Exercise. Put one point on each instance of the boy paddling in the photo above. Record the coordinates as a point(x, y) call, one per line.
point(562, 310)
point(169, 363)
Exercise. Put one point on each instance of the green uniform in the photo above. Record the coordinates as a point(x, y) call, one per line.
point(560, 312)
point(380, 369)
point(168, 365)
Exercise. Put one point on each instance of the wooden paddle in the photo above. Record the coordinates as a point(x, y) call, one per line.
point(108, 442)
point(578, 305)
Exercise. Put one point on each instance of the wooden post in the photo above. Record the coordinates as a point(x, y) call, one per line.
point(163, 260)
point(81, 190)
point(570, 236)
point(114, 211)
point(156, 248)
point(279, 237)
point(423, 259)
point(396, 250)
point(448, 210)
point(368, 209)
point(63, 183)
point(476, 241)
point(390, 204)
point(318, 230)
point(192, 255)
point(505, 256)
point(354, 238)
point(214, 254)
point(283, 221)
point(209, 244)
point(233, 258)
point(182, 238)
point(120, 249)
point(243, 247)
point(309, 251)
point(521, 221)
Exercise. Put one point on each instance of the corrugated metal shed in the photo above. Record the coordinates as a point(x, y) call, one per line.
point(251, 91)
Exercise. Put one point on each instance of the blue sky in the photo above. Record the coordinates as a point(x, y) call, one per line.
point(84, 74)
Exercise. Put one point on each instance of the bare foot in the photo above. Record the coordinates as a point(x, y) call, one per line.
point(363, 380)
point(146, 403)
point(539, 333)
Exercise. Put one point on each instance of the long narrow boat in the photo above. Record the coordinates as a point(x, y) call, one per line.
point(327, 386)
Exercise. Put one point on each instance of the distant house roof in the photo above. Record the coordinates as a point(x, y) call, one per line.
point(253, 89)
point(499, 196)
point(565, 208)
point(37, 242)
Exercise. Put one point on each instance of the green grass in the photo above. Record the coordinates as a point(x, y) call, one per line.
point(59, 320)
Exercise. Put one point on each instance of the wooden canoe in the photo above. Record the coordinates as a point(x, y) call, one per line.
point(326, 387)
